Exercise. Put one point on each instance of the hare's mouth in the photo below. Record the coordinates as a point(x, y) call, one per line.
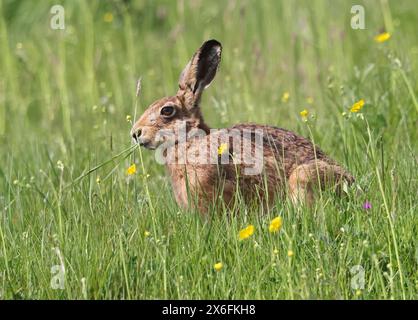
point(148, 145)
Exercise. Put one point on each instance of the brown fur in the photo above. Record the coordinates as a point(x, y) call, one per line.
point(291, 164)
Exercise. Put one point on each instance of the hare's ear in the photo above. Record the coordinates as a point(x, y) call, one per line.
point(199, 72)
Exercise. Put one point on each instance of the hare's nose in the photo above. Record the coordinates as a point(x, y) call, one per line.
point(136, 133)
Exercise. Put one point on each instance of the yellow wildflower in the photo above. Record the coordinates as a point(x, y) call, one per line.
point(382, 37)
point(131, 170)
point(108, 17)
point(285, 96)
point(357, 106)
point(304, 113)
point(98, 180)
point(147, 233)
point(358, 293)
point(246, 232)
point(275, 224)
point(128, 118)
point(276, 252)
point(290, 253)
point(222, 148)
point(218, 266)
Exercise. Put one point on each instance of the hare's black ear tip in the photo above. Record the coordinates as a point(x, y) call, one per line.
point(213, 44)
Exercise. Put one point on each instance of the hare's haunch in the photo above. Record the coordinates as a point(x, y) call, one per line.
point(206, 165)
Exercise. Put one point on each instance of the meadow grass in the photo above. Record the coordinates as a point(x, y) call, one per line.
point(64, 99)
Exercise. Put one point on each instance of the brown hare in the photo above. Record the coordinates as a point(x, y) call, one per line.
point(206, 166)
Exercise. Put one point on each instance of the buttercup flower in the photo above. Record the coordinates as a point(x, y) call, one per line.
point(357, 106)
point(246, 232)
point(222, 148)
point(108, 17)
point(382, 37)
point(304, 113)
point(285, 96)
point(147, 233)
point(276, 224)
point(290, 253)
point(218, 266)
point(131, 170)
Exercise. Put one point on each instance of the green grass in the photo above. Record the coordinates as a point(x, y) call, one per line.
point(64, 98)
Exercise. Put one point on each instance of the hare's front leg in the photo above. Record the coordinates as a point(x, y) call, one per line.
point(314, 175)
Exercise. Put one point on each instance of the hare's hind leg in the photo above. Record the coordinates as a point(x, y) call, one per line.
point(314, 175)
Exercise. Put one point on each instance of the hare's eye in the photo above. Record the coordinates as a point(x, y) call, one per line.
point(168, 111)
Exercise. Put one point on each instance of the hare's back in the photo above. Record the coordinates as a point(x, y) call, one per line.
point(283, 146)
point(251, 145)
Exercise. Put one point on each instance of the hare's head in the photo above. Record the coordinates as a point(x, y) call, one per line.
point(167, 113)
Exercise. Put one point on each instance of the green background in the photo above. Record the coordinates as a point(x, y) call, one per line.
point(64, 98)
